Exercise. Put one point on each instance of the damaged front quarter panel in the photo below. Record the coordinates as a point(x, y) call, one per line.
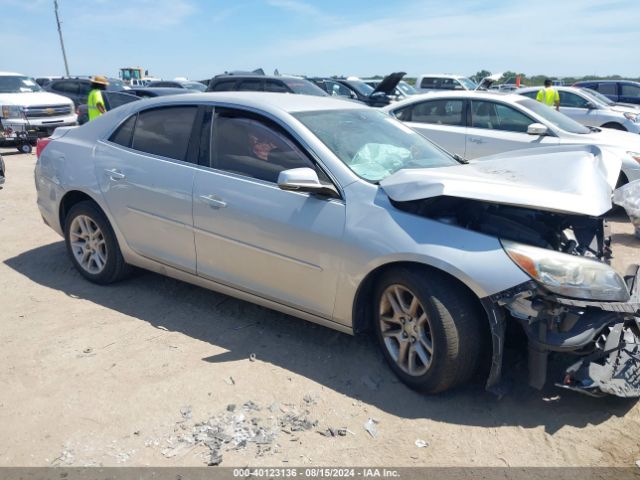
point(606, 335)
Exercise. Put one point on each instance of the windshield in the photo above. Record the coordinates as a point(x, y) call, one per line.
point(554, 117)
point(468, 84)
point(18, 84)
point(406, 88)
point(304, 87)
point(372, 144)
point(361, 87)
point(598, 96)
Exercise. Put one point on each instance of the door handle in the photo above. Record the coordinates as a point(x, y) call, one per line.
point(476, 140)
point(213, 201)
point(115, 174)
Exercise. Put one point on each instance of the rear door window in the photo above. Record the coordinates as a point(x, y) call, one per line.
point(65, 86)
point(164, 131)
point(439, 112)
point(429, 82)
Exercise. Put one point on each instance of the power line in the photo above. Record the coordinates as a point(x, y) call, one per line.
point(64, 54)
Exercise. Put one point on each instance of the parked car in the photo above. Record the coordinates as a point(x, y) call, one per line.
point(621, 91)
point(152, 92)
point(354, 88)
point(439, 81)
point(77, 89)
point(402, 90)
point(587, 109)
point(252, 82)
point(336, 213)
point(479, 124)
point(44, 81)
point(26, 111)
point(197, 86)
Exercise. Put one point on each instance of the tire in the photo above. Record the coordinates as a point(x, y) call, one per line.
point(451, 324)
point(25, 148)
point(92, 245)
point(614, 126)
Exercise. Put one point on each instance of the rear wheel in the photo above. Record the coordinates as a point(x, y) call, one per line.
point(25, 148)
point(429, 328)
point(92, 245)
point(614, 126)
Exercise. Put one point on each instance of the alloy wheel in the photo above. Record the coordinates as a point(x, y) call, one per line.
point(88, 244)
point(405, 329)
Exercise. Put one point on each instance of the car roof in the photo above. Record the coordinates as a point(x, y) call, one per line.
point(465, 94)
point(254, 75)
point(266, 101)
point(11, 74)
point(442, 75)
point(560, 88)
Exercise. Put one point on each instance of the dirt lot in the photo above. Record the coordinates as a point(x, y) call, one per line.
point(119, 375)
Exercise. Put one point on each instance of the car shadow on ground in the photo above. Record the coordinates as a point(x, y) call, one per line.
point(350, 365)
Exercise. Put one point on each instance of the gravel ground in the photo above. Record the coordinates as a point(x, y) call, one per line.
point(153, 371)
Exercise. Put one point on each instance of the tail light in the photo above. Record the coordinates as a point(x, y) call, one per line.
point(40, 145)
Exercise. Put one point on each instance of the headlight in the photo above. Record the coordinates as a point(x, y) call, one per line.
point(11, 111)
point(568, 275)
point(635, 156)
point(631, 116)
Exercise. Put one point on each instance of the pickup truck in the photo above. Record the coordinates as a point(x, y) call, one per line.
point(28, 112)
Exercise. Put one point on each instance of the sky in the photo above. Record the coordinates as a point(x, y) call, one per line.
point(200, 38)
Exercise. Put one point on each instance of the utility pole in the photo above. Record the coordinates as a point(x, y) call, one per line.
point(64, 54)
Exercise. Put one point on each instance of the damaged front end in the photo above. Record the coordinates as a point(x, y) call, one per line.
point(604, 335)
point(575, 303)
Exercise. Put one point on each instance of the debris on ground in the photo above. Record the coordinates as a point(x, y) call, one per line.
point(230, 381)
point(310, 399)
point(371, 428)
point(87, 350)
point(186, 412)
point(67, 457)
point(421, 443)
point(333, 432)
point(238, 427)
point(252, 357)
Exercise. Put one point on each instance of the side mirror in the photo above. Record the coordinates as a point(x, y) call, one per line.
point(537, 129)
point(591, 106)
point(305, 180)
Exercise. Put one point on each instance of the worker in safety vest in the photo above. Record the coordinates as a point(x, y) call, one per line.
point(549, 95)
point(95, 102)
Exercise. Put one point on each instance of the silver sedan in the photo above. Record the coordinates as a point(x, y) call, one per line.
point(339, 214)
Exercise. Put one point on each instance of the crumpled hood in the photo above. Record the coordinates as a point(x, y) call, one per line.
point(568, 179)
point(33, 99)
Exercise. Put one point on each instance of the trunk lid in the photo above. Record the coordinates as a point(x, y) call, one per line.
point(389, 83)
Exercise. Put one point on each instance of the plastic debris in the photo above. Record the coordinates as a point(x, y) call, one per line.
point(333, 432)
point(252, 357)
point(628, 197)
point(371, 428)
point(186, 412)
point(421, 443)
point(230, 381)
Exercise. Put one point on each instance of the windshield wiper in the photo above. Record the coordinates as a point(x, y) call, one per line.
point(460, 159)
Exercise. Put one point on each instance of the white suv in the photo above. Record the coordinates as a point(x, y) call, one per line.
point(26, 111)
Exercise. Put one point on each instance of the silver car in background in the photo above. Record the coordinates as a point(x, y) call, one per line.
point(590, 110)
point(477, 124)
point(336, 213)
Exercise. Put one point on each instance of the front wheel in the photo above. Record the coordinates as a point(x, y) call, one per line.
point(92, 245)
point(429, 328)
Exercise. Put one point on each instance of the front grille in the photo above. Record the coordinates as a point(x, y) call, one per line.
point(48, 111)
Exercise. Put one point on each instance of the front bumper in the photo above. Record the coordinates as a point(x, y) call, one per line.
point(605, 335)
point(13, 129)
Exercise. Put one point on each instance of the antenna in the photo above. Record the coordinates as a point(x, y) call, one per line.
point(64, 54)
